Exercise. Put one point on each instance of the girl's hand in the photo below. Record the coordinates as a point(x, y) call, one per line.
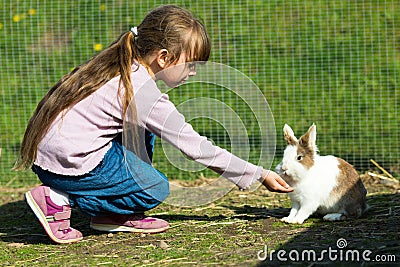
point(274, 183)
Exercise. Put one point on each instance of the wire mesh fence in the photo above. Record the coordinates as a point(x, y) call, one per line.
point(333, 63)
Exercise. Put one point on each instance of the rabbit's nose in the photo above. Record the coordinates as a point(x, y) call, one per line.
point(284, 169)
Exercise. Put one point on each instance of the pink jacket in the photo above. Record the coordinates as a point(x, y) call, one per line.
point(80, 136)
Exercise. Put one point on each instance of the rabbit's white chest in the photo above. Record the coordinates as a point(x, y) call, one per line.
point(319, 182)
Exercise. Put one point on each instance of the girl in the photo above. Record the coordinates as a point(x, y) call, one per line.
point(73, 140)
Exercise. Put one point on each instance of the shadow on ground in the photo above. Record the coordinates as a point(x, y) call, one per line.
point(19, 224)
point(233, 218)
point(371, 240)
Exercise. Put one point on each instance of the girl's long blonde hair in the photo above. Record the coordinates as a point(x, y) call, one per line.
point(167, 27)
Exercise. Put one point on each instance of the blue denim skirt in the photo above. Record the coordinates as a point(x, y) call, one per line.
point(113, 186)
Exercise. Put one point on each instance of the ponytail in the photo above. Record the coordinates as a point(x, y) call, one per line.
point(117, 59)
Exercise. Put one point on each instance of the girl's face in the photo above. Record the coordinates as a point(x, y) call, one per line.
point(177, 73)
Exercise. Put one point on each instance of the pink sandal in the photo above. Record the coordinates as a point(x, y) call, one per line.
point(135, 223)
point(54, 218)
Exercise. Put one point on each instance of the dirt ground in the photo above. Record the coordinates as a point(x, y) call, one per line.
point(240, 229)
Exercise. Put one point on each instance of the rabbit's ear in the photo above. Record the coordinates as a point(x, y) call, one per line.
point(289, 135)
point(308, 139)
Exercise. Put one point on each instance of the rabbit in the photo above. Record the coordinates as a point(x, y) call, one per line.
point(325, 185)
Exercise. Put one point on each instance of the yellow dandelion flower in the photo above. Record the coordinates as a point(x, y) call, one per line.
point(32, 12)
point(97, 47)
point(17, 18)
point(1, 26)
point(102, 7)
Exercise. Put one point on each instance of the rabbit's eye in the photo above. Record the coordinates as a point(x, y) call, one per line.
point(299, 157)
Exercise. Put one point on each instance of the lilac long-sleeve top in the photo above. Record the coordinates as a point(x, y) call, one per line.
point(80, 136)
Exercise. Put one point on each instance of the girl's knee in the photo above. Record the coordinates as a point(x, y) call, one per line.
point(160, 191)
point(164, 190)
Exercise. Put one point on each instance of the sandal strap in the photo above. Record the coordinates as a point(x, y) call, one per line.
point(59, 216)
point(64, 225)
point(63, 215)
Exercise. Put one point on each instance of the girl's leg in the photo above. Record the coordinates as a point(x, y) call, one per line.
point(59, 198)
point(113, 188)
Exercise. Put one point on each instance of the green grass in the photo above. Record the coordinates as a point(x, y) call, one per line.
point(335, 63)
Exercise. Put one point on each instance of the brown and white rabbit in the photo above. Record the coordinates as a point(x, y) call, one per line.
point(325, 185)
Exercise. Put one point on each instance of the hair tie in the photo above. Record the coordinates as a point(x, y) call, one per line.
point(134, 31)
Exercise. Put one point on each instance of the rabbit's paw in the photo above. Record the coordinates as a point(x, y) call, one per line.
point(286, 220)
point(334, 217)
point(298, 220)
point(291, 220)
